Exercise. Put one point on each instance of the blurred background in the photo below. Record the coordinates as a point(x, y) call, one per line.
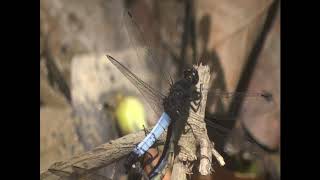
point(83, 98)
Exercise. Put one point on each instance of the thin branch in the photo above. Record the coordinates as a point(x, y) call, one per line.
point(196, 138)
point(98, 157)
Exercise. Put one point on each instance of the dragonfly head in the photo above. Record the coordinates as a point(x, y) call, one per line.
point(191, 75)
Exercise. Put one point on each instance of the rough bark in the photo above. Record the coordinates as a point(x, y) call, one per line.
point(98, 157)
point(196, 137)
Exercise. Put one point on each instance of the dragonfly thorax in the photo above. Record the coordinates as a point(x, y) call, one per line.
point(177, 103)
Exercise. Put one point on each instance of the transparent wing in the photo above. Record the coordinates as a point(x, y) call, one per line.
point(237, 95)
point(244, 102)
point(240, 144)
point(142, 47)
point(94, 176)
point(244, 139)
point(78, 173)
point(152, 96)
point(254, 106)
point(217, 101)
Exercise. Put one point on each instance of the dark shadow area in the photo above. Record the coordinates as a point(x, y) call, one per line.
point(252, 61)
point(55, 77)
point(220, 114)
point(211, 58)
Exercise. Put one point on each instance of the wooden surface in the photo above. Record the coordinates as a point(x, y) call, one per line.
point(98, 157)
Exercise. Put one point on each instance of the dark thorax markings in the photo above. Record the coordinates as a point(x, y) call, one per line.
point(181, 95)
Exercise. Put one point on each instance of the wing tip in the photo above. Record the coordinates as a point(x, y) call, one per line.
point(109, 57)
point(129, 13)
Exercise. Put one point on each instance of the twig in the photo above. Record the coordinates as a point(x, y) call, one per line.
point(98, 157)
point(197, 137)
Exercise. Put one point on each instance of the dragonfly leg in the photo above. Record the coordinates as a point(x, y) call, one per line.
point(146, 132)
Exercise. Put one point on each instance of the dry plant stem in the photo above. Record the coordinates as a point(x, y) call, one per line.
point(196, 136)
point(98, 157)
point(178, 171)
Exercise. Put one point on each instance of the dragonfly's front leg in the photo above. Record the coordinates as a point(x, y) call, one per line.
point(146, 132)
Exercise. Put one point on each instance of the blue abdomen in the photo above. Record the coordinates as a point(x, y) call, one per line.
point(155, 133)
point(150, 139)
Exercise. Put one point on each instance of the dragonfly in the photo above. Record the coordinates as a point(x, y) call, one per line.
point(156, 98)
point(176, 105)
point(172, 106)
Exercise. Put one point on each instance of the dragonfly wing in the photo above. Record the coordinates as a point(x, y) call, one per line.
point(139, 42)
point(94, 176)
point(223, 127)
point(239, 141)
point(236, 139)
point(229, 104)
point(152, 96)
